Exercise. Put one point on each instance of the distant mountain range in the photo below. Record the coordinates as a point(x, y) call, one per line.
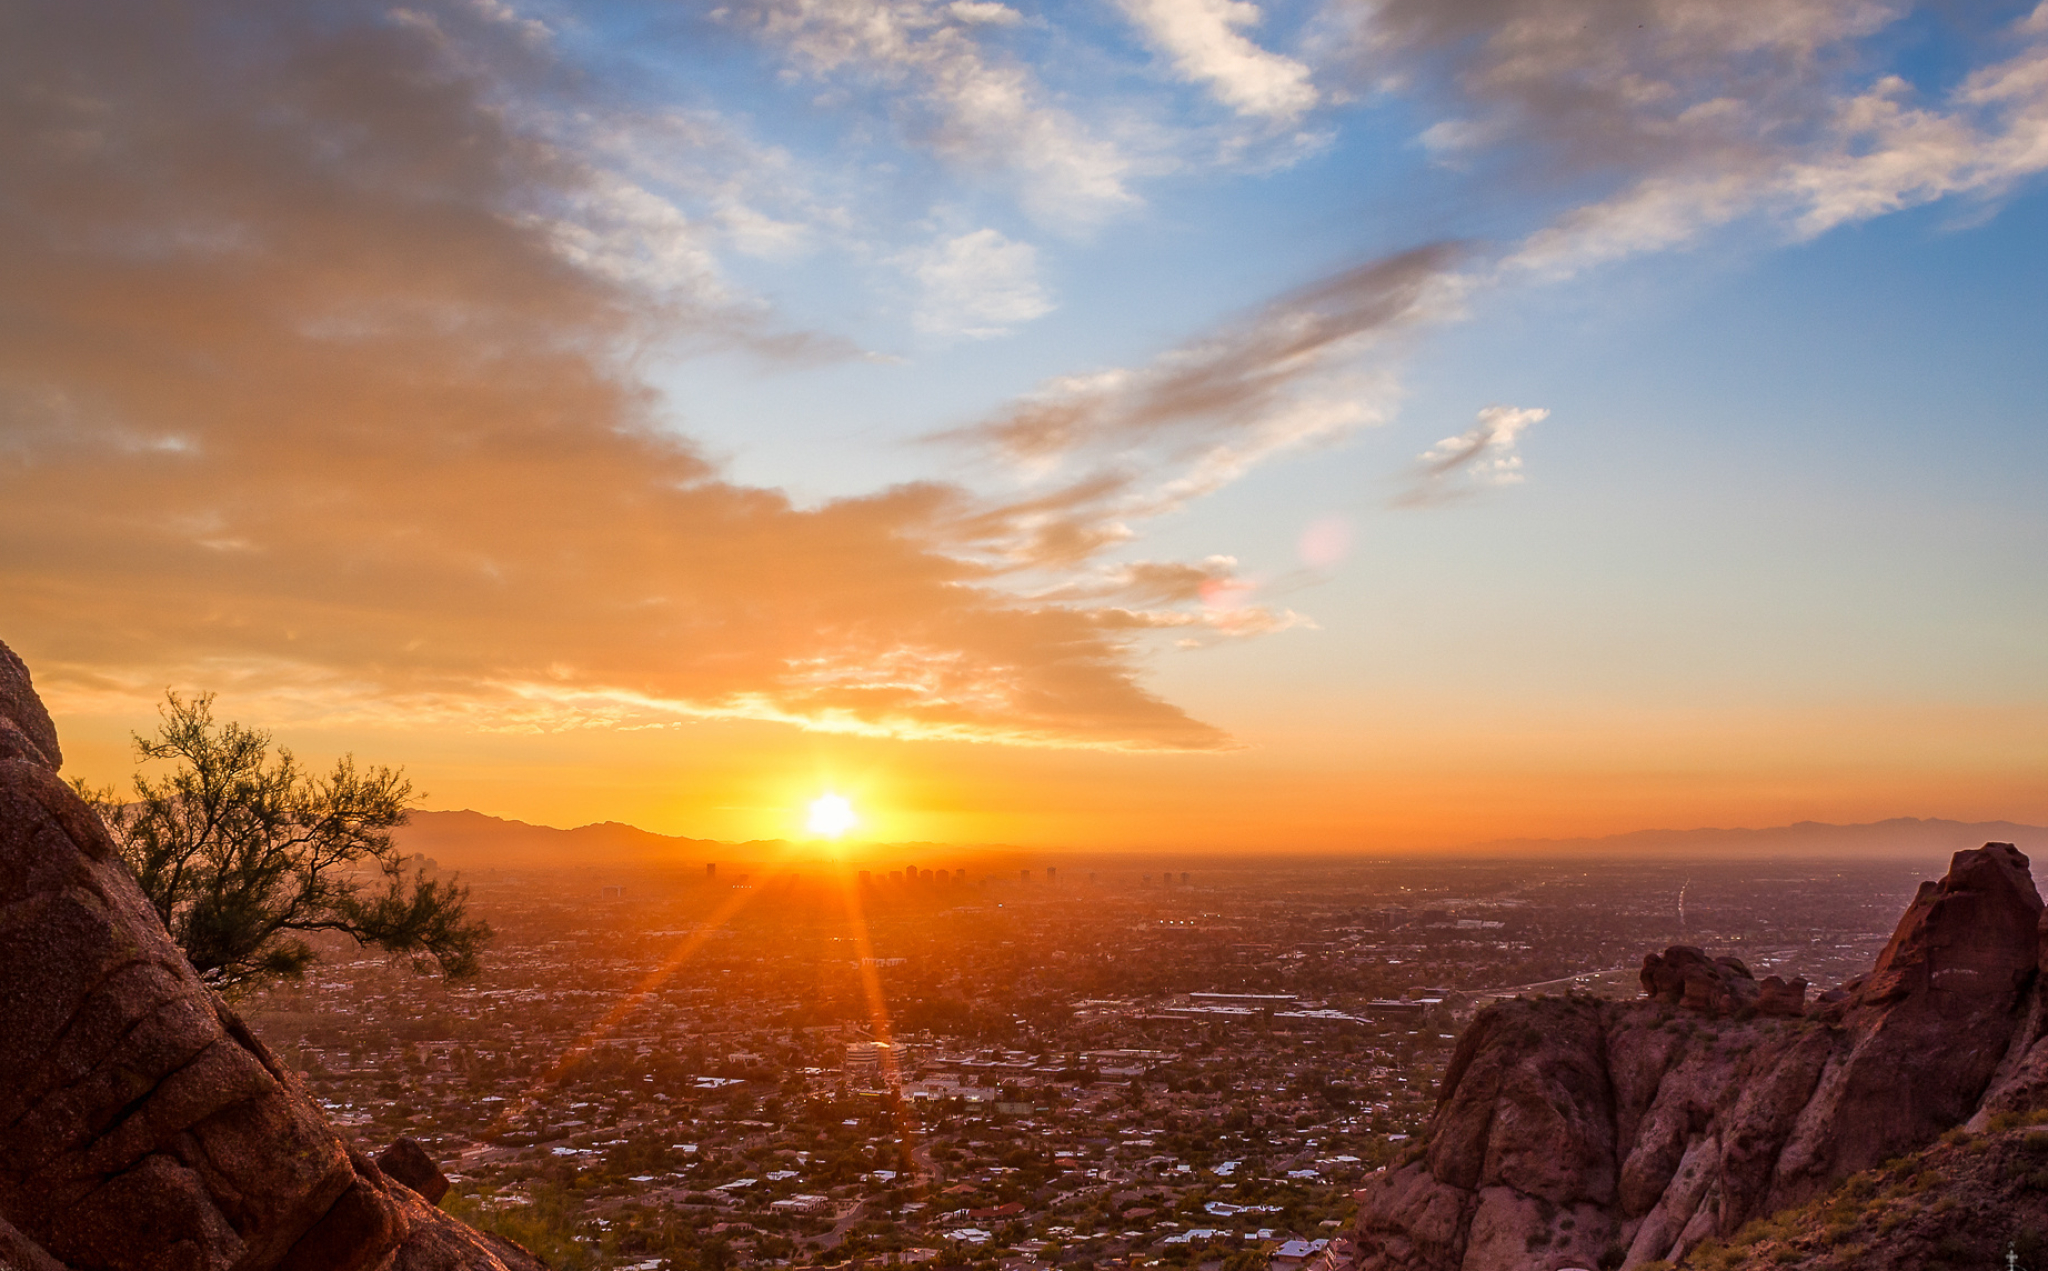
point(1899, 837)
point(474, 842)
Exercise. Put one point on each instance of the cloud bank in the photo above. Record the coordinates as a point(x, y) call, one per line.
point(316, 381)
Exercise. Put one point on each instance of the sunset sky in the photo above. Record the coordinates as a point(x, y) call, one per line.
point(1126, 423)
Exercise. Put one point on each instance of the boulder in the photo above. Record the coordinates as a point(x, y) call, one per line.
point(405, 1161)
point(1685, 976)
point(146, 1127)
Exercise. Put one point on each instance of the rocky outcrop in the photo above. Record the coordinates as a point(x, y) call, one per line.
point(1582, 1133)
point(1685, 976)
point(142, 1125)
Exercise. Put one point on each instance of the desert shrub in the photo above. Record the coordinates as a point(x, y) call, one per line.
point(2036, 1143)
point(1953, 1248)
point(1612, 1257)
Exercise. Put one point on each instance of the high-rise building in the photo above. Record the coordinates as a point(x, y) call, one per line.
point(866, 1065)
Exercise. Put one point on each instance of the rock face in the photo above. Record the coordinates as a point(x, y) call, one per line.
point(142, 1126)
point(1582, 1133)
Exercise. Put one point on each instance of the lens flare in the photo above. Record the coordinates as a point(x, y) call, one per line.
point(831, 816)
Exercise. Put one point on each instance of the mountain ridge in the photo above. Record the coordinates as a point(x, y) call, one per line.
point(470, 840)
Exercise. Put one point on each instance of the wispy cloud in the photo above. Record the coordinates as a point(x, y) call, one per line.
point(985, 111)
point(1206, 40)
point(1096, 452)
point(1485, 454)
point(1696, 116)
point(979, 284)
point(1240, 378)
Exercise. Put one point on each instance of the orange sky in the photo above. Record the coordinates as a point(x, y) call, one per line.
point(1352, 788)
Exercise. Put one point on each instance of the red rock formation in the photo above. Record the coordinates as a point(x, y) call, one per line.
point(1573, 1128)
point(145, 1126)
point(1782, 998)
point(1684, 976)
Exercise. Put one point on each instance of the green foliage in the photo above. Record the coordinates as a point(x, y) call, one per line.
point(241, 853)
point(546, 1227)
point(1245, 1260)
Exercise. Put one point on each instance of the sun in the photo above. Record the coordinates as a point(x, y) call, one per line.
point(831, 816)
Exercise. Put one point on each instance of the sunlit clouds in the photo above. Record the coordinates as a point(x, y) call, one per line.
point(1485, 454)
point(311, 400)
point(983, 110)
point(979, 284)
point(1209, 44)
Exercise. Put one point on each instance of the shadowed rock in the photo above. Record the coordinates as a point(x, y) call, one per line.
point(1572, 1129)
point(405, 1161)
point(1685, 976)
point(1780, 997)
point(145, 1126)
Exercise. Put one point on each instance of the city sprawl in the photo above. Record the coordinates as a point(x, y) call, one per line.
point(1119, 1061)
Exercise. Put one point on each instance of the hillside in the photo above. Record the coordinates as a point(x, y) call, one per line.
point(1964, 1202)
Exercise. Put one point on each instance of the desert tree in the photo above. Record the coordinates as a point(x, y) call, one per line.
point(243, 852)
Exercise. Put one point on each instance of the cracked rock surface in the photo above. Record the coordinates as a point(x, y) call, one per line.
point(142, 1126)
